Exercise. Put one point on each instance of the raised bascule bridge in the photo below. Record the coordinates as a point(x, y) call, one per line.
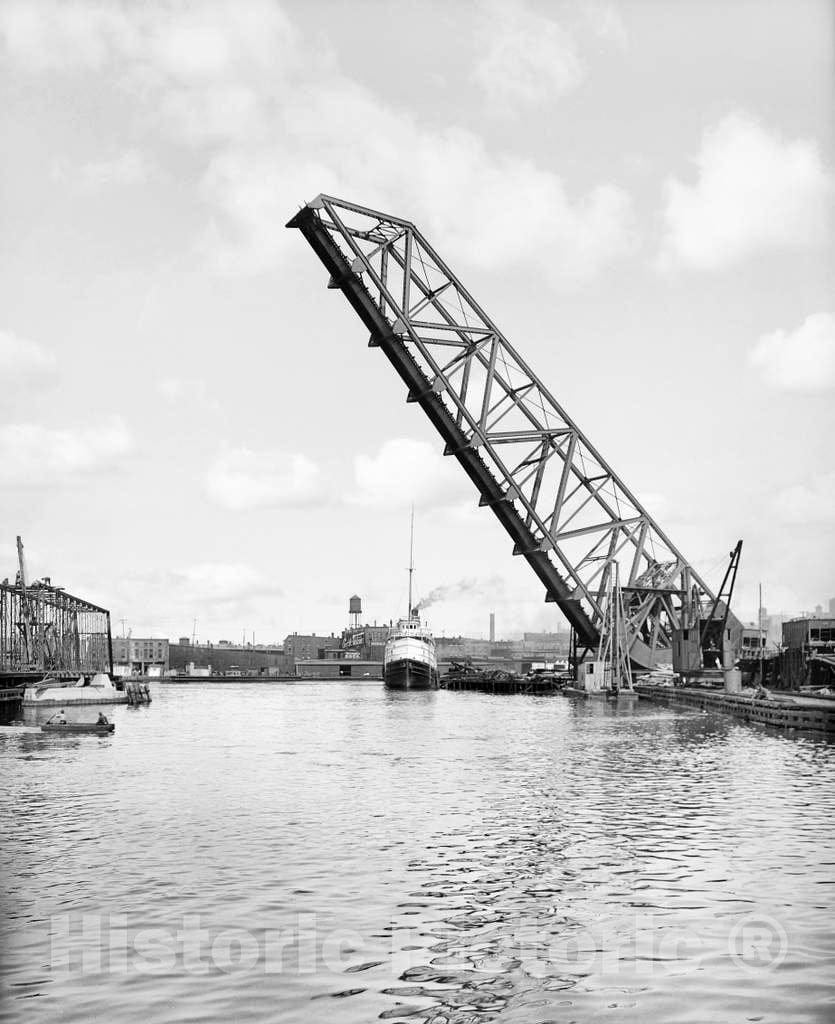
point(569, 515)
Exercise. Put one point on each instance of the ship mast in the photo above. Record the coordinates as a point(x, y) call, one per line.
point(411, 558)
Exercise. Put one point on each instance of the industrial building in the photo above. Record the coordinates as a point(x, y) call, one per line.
point(370, 641)
point(809, 652)
point(356, 651)
point(226, 659)
point(753, 642)
point(309, 646)
point(146, 656)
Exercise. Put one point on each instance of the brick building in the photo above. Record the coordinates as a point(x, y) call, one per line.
point(140, 656)
point(369, 641)
point(308, 646)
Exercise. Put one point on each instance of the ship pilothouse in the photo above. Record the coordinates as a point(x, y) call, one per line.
point(409, 659)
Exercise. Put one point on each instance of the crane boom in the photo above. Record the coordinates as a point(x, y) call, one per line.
point(568, 513)
point(25, 609)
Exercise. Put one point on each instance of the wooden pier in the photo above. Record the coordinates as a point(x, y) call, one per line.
point(11, 701)
point(784, 712)
point(137, 691)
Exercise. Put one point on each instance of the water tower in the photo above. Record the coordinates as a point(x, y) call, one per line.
point(354, 611)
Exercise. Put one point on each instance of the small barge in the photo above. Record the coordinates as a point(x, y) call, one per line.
point(498, 681)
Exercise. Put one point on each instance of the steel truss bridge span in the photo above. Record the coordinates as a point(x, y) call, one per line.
point(568, 513)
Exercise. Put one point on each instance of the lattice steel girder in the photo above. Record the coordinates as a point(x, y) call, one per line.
point(45, 628)
point(569, 514)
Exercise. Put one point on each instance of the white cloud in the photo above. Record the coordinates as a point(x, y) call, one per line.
point(524, 58)
point(51, 34)
point(32, 455)
point(165, 601)
point(24, 361)
point(219, 582)
point(606, 22)
point(807, 504)
point(273, 124)
point(128, 168)
point(173, 389)
point(240, 478)
point(183, 391)
point(798, 360)
point(253, 194)
point(406, 472)
point(755, 192)
point(658, 505)
point(201, 69)
point(457, 189)
point(191, 43)
point(477, 202)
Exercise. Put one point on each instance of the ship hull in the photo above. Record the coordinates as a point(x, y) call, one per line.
point(408, 674)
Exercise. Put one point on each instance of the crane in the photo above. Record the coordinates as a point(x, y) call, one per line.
point(26, 616)
point(569, 515)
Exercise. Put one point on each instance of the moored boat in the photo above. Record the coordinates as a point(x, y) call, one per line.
point(409, 658)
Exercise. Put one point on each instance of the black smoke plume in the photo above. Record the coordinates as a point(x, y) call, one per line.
point(467, 587)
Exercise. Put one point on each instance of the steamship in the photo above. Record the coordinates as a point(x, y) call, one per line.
point(409, 658)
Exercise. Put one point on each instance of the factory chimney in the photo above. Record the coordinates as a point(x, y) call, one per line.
point(492, 627)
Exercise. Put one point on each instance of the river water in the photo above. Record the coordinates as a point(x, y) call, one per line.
point(334, 852)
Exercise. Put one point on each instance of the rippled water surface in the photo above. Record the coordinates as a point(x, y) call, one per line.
point(333, 852)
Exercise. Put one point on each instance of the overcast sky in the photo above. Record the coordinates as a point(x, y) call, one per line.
point(193, 427)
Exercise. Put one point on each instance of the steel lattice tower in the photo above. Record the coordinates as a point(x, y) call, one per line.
point(568, 513)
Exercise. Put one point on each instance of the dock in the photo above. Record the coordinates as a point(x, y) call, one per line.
point(784, 712)
point(500, 683)
point(621, 695)
point(11, 701)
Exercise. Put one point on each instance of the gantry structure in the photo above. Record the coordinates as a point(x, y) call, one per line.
point(570, 516)
point(43, 629)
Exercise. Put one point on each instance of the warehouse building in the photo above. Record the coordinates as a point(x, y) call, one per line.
point(809, 652)
point(140, 656)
